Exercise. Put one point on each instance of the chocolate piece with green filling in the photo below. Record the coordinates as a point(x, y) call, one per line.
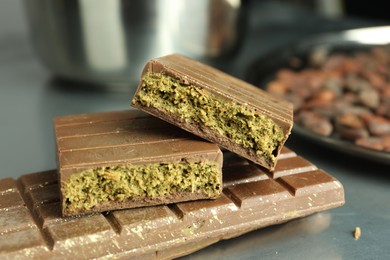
point(32, 226)
point(216, 106)
point(130, 159)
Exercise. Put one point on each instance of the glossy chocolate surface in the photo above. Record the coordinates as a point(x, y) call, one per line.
point(88, 141)
point(31, 225)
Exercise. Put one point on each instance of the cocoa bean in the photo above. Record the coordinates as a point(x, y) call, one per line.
point(377, 125)
point(371, 142)
point(343, 95)
point(369, 98)
point(315, 123)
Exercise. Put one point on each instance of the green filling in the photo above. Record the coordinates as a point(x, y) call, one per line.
point(237, 122)
point(92, 187)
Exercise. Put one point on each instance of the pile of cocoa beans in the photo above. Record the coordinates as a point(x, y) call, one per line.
point(341, 95)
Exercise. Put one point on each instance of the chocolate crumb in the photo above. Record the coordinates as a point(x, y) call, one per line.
point(357, 233)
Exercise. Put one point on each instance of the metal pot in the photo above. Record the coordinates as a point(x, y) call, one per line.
point(109, 41)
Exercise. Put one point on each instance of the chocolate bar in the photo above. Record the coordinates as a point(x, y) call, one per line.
point(129, 159)
point(31, 224)
point(216, 106)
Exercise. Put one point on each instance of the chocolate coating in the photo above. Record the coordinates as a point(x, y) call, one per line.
point(31, 224)
point(123, 138)
point(227, 88)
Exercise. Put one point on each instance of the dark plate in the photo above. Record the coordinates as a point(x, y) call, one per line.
point(264, 69)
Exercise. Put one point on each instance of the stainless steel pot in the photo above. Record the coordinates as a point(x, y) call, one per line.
point(109, 41)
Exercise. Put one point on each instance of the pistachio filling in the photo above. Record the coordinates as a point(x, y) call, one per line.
point(239, 123)
point(92, 187)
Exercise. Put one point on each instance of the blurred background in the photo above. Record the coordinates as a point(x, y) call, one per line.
point(106, 43)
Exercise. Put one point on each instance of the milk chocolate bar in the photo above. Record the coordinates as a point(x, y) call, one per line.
point(31, 225)
point(129, 159)
point(216, 106)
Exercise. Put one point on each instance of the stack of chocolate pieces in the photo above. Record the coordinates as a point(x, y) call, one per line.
point(129, 184)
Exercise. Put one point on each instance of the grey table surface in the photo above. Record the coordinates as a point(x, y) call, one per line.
point(30, 97)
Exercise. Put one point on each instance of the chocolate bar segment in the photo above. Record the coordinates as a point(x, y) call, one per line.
point(215, 106)
point(129, 159)
point(33, 227)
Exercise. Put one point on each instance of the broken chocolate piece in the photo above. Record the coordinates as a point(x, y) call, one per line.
point(130, 159)
point(34, 227)
point(218, 107)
